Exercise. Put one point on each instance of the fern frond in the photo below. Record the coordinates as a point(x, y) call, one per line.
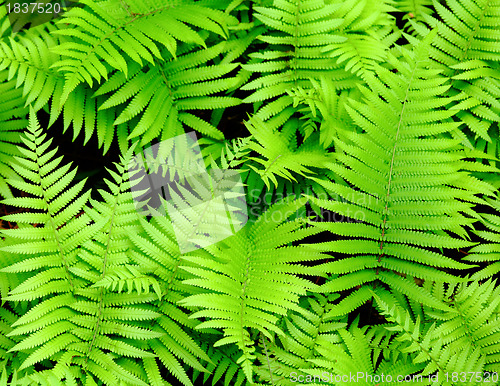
point(160, 97)
point(30, 59)
point(241, 269)
point(203, 207)
point(12, 120)
point(158, 250)
point(418, 337)
point(350, 359)
point(472, 321)
point(322, 106)
point(223, 367)
point(99, 36)
point(41, 176)
point(51, 248)
point(367, 33)
point(398, 197)
point(279, 159)
point(298, 33)
point(414, 11)
point(229, 153)
point(305, 333)
point(107, 322)
point(489, 250)
point(459, 339)
point(466, 50)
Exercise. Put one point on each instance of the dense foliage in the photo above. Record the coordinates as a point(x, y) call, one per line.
point(367, 136)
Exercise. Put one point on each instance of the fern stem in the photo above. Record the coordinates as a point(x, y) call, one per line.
point(295, 46)
point(54, 228)
point(105, 260)
point(386, 208)
point(268, 360)
point(271, 164)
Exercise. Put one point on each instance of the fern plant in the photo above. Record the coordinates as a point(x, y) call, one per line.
point(237, 302)
point(332, 219)
point(401, 191)
point(466, 50)
point(488, 250)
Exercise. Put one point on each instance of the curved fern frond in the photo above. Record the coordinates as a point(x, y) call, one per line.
point(139, 36)
point(51, 248)
point(466, 50)
point(158, 98)
point(237, 303)
point(30, 59)
point(401, 191)
point(298, 33)
point(28, 56)
point(305, 333)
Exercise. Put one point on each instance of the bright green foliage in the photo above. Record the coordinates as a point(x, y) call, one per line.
point(367, 30)
point(466, 49)
point(306, 332)
point(462, 339)
point(46, 245)
point(281, 156)
point(427, 341)
point(415, 11)
point(157, 255)
point(488, 251)
point(311, 39)
point(223, 365)
point(139, 48)
point(242, 269)
point(89, 262)
point(322, 107)
point(30, 58)
point(170, 90)
point(69, 61)
point(140, 25)
point(50, 234)
point(307, 27)
point(341, 217)
point(402, 191)
point(472, 322)
point(354, 354)
point(12, 113)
